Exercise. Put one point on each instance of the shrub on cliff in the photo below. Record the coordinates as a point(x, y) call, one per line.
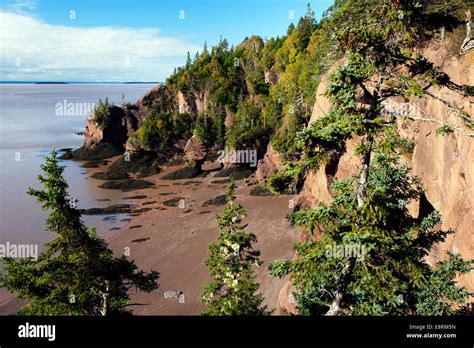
point(155, 131)
point(76, 274)
point(101, 113)
point(249, 128)
point(371, 259)
point(289, 179)
point(366, 254)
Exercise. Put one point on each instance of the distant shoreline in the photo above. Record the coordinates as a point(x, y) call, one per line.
point(78, 83)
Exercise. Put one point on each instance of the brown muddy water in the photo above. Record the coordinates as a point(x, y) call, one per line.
point(31, 124)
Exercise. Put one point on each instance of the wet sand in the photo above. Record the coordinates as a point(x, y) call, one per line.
point(173, 240)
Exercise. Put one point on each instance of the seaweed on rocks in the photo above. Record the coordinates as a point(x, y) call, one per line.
point(67, 155)
point(136, 197)
point(141, 164)
point(110, 176)
point(221, 181)
point(219, 200)
point(99, 151)
point(127, 185)
point(183, 173)
point(94, 164)
point(234, 173)
point(113, 209)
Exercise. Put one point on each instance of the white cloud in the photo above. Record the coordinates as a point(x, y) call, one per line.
point(19, 6)
point(34, 50)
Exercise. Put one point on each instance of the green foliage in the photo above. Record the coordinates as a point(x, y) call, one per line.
point(233, 290)
point(304, 29)
point(288, 179)
point(203, 129)
point(101, 113)
point(374, 34)
point(301, 70)
point(155, 131)
point(249, 126)
point(392, 276)
point(219, 73)
point(442, 291)
point(182, 126)
point(261, 189)
point(445, 130)
point(76, 274)
point(469, 90)
point(233, 80)
point(159, 130)
point(370, 211)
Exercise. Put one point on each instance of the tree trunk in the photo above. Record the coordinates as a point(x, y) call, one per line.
point(103, 310)
point(468, 43)
point(335, 307)
point(364, 175)
point(361, 193)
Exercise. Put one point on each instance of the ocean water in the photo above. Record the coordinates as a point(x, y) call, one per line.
point(31, 124)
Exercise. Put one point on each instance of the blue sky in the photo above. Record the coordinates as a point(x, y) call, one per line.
point(140, 40)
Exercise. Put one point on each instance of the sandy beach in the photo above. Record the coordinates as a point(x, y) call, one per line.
point(172, 238)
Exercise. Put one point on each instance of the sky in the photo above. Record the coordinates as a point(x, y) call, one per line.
point(128, 40)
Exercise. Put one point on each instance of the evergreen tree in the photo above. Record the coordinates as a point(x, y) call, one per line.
point(290, 29)
point(76, 274)
point(233, 290)
point(306, 26)
point(205, 51)
point(370, 211)
point(189, 62)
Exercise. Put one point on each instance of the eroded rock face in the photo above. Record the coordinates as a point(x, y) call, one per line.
point(271, 77)
point(153, 96)
point(201, 101)
point(443, 163)
point(195, 152)
point(108, 140)
point(268, 165)
point(186, 105)
point(119, 127)
point(286, 302)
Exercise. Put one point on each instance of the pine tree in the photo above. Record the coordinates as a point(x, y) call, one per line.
point(205, 51)
point(233, 290)
point(369, 211)
point(306, 26)
point(189, 62)
point(290, 29)
point(76, 274)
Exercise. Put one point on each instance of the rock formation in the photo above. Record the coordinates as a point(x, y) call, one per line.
point(443, 163)
point(268, 165)
point(186, 105)
point(271, 77)
point(194, 153)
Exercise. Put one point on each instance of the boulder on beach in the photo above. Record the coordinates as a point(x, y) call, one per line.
point(195, 152)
